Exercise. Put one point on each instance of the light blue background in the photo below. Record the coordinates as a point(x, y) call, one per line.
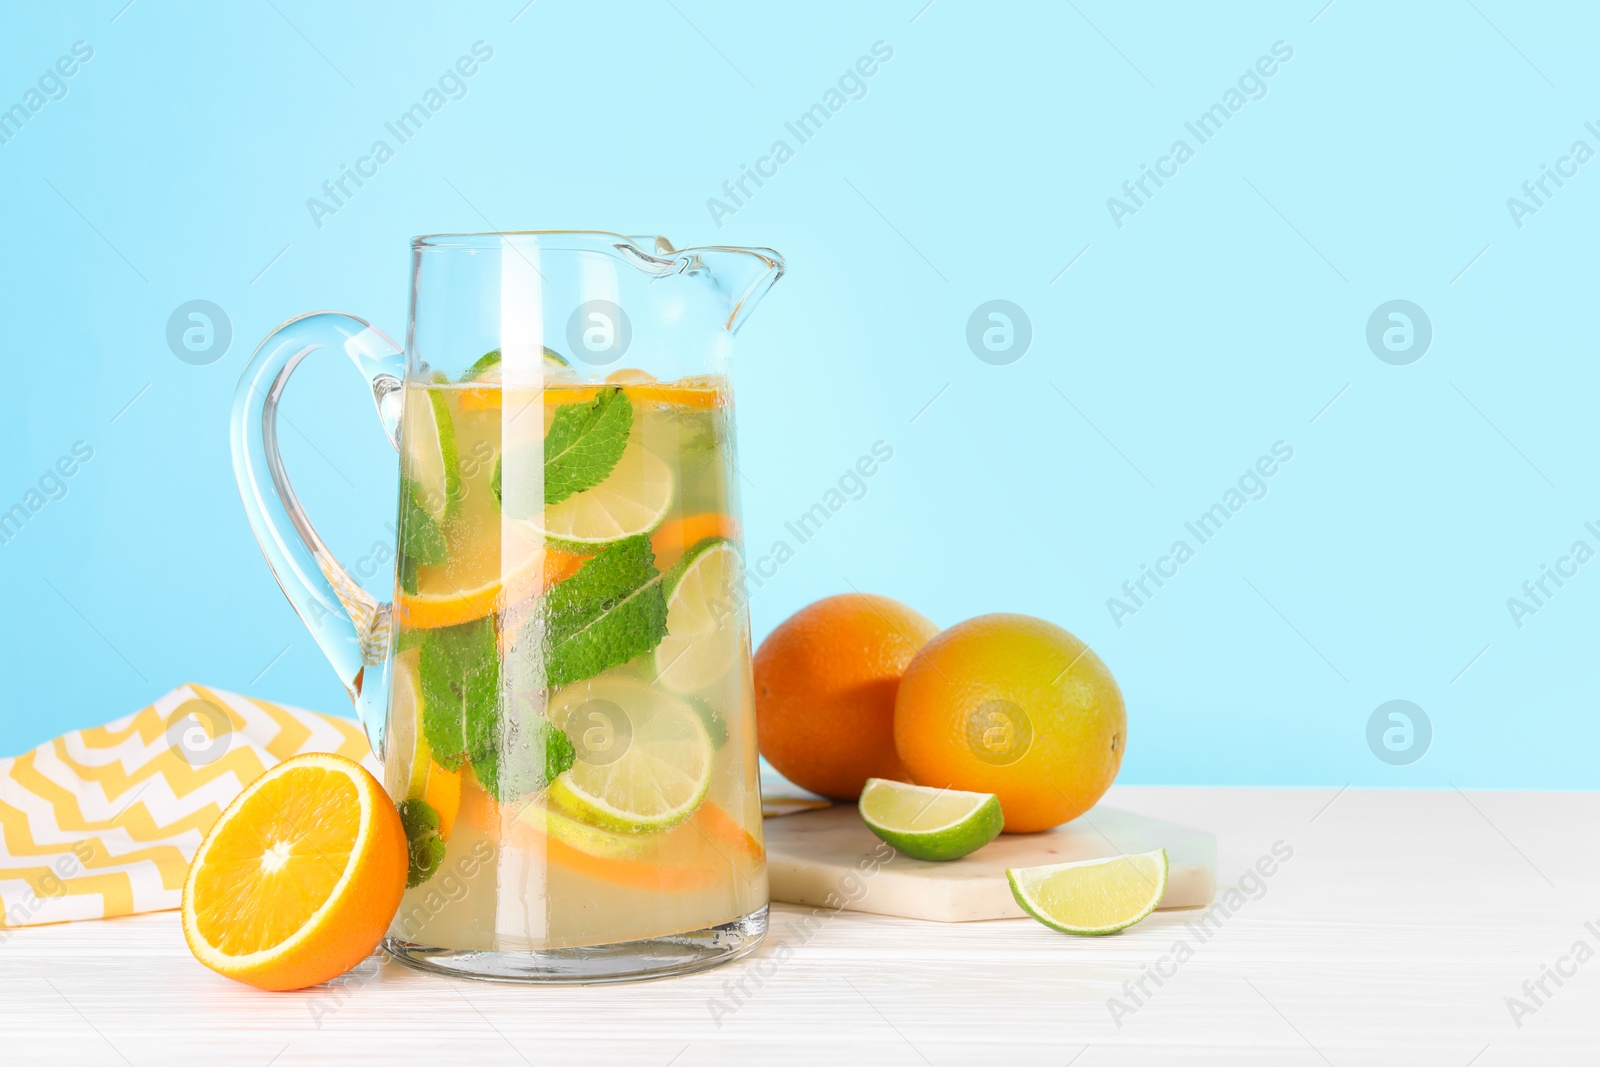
point(1223, 317)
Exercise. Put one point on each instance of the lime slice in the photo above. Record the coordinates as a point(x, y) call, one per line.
point(431, 463)
point(632, 500)
point(702, 639)
point(930, 824)
point(1092, 896)
point(409, 762)
point(487, 367)
point(643, 756)
point(587, 839)
point(406, 750)
point(711, 719)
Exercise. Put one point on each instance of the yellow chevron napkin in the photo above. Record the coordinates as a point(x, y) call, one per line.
point(103, 822)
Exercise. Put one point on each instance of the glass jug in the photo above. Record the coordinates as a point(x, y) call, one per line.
point(560, 687)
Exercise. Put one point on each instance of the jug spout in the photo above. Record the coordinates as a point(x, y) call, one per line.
point(741, 275)
point(745, 274)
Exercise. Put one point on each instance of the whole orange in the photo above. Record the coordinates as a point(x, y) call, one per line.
point(825, 691)
point(1014, 706)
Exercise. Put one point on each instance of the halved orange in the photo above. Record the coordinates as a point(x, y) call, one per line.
point(299, 877)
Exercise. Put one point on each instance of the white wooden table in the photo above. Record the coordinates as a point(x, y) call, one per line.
point(1394, 934)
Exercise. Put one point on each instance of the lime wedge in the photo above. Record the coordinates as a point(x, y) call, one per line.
point(1092, 896)
point(431, 464)
point(930, 824)
point(643, 756)
point(632, 500)
point(703, 636)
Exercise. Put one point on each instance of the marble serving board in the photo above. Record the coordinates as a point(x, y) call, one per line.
point(823, 858)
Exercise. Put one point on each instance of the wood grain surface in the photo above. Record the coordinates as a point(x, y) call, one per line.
point(1392, 934)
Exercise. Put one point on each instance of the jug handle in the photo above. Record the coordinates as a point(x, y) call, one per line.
point(350, 625)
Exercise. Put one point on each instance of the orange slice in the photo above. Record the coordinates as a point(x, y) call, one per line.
point(443, 795)
point(637, 874)
point(688, 396)
point(477, 808)
point(726, 829)
point(674, 536)
point(479, 398)
point(686, 859)
point(703, 392)
point(440, 601)
point(299, 877)
point(648, 874)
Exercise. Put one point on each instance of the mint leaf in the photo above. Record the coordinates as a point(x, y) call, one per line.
point(460, 669)
point(407, 638)
point(584, 443)
point(408, 574)
point(423, 842)
point(559, 753)
point(612, 610)
point(532, 758)
point(421, 536)
point(583, 446)
point(462, 710)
